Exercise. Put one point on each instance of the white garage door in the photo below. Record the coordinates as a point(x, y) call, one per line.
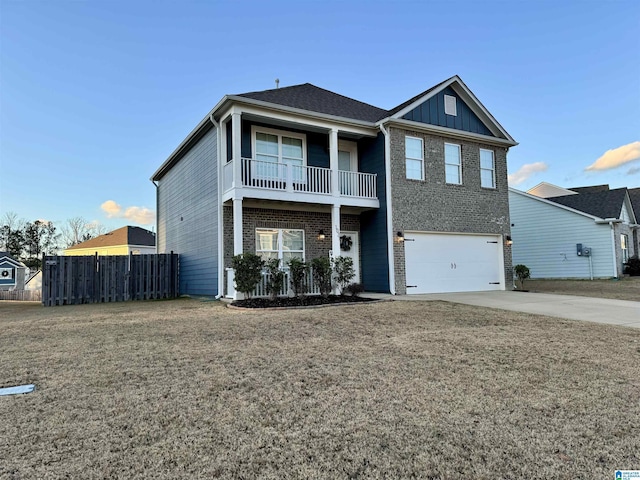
point(438, 263)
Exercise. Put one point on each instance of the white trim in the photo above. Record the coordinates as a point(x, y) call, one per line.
point(450, 132)
point(390, 233)
point(278, 133)
point(459, 164)
point(468, 97)
point(280, 242)
point(561, 191)
point(613, 249)
point(493, 168)
point(15, 263)
point(406, 157)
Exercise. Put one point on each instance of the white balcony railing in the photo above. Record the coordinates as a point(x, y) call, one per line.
point(298, 178)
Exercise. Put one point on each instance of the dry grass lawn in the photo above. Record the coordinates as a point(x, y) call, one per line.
point(190, 389)
point(624, 289)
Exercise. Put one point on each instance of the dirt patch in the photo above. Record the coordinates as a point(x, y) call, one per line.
point(190, 389)
point(627, 288)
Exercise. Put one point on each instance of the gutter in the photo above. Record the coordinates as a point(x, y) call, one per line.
point(216, 125)
point(387, 169)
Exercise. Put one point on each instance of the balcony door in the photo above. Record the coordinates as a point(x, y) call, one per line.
point(347, 164)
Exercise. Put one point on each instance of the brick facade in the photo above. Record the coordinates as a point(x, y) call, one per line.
point(432, 205)
point(310, 222)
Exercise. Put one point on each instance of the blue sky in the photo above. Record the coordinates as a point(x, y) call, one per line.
point(94, 95)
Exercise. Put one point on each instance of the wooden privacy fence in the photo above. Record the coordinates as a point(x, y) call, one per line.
point(116, 278)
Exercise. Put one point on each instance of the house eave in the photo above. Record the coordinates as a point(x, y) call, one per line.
point(449, 132)
point(562, 207)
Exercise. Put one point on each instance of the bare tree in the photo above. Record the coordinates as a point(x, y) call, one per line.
point(12, 234)
point(78, 230)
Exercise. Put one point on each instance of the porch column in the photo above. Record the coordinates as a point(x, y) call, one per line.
point(236, 148)
point(237, 226)
point(335, 230)
point(333, 162)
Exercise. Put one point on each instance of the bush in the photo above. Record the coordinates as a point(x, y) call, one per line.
point(632, 267)
point(522, 272)
point(297, 276)
point(248, 272)
point(354, 289)
point(275, 278)
point(343, 272)
point(322, 271)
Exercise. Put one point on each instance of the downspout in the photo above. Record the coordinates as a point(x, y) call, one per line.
point(387, 183)
point(219, 194)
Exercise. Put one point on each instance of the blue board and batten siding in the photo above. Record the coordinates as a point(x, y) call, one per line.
point(432, 112)
point(373, 223)
point(545, 238)
point(188, 216)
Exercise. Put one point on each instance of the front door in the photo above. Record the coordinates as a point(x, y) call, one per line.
point(350, 247)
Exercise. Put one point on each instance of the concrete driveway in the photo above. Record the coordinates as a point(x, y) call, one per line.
point(600, 310)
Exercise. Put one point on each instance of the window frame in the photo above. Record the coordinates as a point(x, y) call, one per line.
point(278, 133)
point(407, 158)
point(459, 164)
point(624, 247)
point(279, 243)
point(493, 168)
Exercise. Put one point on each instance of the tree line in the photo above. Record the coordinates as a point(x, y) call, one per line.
point(28, 241)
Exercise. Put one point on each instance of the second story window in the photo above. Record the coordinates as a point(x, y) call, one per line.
point(278, 148)
point(414, 158)
point(487, 169)
point(452, 163)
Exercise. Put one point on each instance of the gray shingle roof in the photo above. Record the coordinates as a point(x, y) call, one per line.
point(315, 99)
point(634, 195)
point(599, 203)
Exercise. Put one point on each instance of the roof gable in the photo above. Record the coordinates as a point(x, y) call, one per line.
point(549, 202)
point(315, 99)
point(432, 111)
point(7, 259)
point(122, 236)
point(481, 122)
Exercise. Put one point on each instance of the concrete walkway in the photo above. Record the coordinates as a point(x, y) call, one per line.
point(600, 310)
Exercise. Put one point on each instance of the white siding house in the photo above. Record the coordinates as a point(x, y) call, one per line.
point(545, 235)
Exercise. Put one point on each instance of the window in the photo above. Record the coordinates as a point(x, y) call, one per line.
point(452, 163)
point(280, 243)
point(624, 242)
point(274, 149)
point(450, 107)
point(414, 153)
point(487, 169)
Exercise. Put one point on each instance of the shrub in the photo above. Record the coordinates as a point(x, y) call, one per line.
point(275, 279)
point(248, 272)
point(322, 271)
point(297, 276)
point(343, 272)
point(632, 267)
point(354, 289)
point(522, 272)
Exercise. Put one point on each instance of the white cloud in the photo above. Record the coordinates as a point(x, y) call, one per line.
point(617, 157)
point(526, 171)
point(141, 215)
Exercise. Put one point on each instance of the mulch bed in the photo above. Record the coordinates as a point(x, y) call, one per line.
point(284, 302)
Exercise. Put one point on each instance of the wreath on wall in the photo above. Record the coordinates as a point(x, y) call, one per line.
point(5, 273)
point(345, 243)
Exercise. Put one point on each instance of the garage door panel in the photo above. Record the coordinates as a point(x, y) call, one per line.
point(436, 263)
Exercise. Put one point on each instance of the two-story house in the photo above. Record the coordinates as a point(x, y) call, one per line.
point(417, 195)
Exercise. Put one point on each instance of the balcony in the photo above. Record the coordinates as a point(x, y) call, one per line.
point(282, 181)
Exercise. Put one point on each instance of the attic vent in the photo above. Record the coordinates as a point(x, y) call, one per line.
point(450, 105)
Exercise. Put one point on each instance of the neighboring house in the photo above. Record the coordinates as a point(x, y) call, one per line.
point(12, 272)
point(122, 241)
point(416, 195)
point(550, 223)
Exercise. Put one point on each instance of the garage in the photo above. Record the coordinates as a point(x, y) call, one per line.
point(438, 263)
